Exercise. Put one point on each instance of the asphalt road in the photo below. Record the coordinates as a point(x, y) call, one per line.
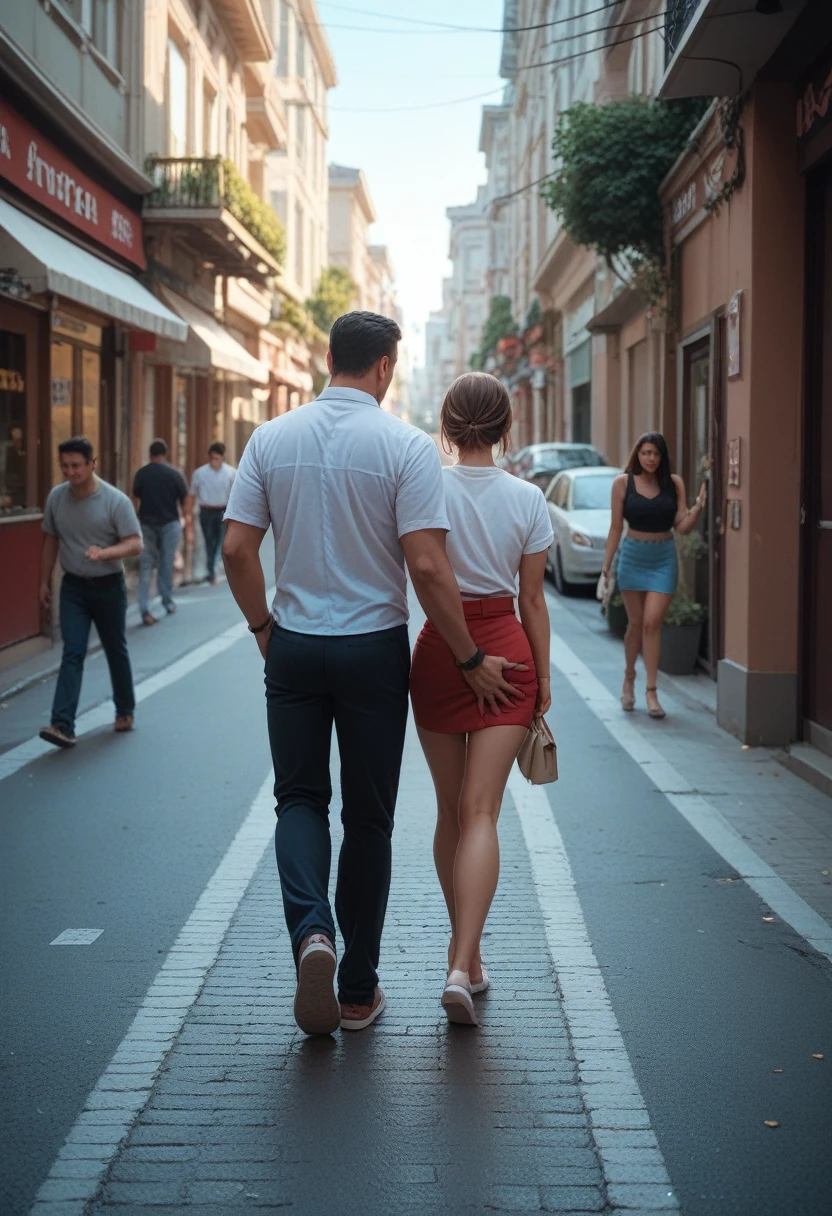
point(123, 833)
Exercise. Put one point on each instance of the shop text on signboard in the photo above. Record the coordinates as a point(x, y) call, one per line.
point(37, 168)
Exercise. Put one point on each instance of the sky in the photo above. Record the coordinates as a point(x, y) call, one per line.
point(417, 161)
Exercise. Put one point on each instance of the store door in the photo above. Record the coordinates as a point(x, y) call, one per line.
point(76, 398)
point(817, 518)
point(700, 568)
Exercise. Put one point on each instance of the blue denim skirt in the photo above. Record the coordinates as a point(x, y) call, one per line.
point(647, 565)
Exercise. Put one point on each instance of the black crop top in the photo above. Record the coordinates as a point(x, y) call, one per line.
point(649, 514)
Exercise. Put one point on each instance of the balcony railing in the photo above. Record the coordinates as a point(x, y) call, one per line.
point(209, 183)
point(678, 17)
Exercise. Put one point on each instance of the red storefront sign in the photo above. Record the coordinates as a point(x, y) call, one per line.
point(35, 166)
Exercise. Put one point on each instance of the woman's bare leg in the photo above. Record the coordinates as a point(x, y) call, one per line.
point(655, 609)
point(491, 753)
point(445, 755)
point(634, 604)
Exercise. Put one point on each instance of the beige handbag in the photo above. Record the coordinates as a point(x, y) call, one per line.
point(538, 755)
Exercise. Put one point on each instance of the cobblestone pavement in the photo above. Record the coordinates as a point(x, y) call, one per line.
point(645, 1018)
point(413, 1114)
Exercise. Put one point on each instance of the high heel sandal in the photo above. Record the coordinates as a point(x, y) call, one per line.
point(655, 711)
point(628, 699)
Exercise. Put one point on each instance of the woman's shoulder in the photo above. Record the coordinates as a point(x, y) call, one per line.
point(622, 480)
point(677, 481)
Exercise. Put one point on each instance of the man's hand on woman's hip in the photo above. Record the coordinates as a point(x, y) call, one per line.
point(490, 685)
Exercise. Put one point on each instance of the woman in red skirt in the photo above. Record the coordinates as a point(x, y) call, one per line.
point(500, 532)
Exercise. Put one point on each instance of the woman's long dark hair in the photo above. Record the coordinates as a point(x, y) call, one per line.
point(665, 469)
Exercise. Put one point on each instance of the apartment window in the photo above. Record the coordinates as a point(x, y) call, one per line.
point(299, 250)
point(278, 202)
point(300, 54)
point(177, 101)
point(210, 134)
point(300, 133)
point(101, 20)
point(283, 41)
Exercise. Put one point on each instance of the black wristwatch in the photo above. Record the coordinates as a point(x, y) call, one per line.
point(473, 663)
point(260, 628)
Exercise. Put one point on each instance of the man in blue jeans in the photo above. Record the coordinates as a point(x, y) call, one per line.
point(161, 491)
point(210, 487)
point(351, 494)
point(92, 527)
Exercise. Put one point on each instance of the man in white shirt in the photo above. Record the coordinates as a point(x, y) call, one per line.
point(351, 493)
point(210, 488)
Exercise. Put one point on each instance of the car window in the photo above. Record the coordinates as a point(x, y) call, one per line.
point(592, 493)
point(554, 487)
point(562, 493)
point(541, 479)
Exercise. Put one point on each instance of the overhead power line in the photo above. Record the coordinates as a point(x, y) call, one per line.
point(442, 27)
point(432, 105)
point(437, 105)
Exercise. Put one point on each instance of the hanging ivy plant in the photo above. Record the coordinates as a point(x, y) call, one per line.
point(612, 160)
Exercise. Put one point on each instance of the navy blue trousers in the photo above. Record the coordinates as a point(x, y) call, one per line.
point(86, 602)
point(359, 684)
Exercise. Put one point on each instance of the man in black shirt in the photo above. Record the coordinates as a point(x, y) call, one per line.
point(160, 490)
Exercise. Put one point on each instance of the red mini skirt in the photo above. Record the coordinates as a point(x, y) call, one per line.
point(442, 699)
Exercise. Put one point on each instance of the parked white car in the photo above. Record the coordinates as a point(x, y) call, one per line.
point(579, 508)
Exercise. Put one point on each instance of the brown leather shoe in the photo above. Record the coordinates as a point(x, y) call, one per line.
point(124, 723)
point(316, 1007)
point(54, 734)
point(359, 1017)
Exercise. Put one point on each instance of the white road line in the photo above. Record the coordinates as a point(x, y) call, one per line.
point(77, 937)
point(625, 1142)
point(702, 816)
point(125, 1085)
point(18, 757)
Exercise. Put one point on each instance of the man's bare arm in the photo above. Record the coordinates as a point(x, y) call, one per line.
point(241, 554)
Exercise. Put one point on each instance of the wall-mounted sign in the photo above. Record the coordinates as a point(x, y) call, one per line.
point(37, 168)
point(734, 349)
point(813, 104)
point(684, 204)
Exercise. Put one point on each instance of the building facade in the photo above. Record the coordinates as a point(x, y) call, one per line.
point(297, 181)
point(75, 311)
point(750, 220)
point(351, 215)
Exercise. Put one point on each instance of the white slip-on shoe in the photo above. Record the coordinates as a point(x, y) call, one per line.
point(316, 1006)
point(456, 1000)
point(483, 985)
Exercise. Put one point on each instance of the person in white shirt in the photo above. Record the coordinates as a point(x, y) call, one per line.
point(500, 533)
point(351, 494)
point(210, 489)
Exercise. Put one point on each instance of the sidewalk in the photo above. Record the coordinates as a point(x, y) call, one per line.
point(39, 660)
point(787, 821)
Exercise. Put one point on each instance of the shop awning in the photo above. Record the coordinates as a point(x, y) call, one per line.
point(47, 261)
point(209, 345)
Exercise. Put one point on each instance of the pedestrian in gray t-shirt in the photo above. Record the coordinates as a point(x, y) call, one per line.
point(92, 527)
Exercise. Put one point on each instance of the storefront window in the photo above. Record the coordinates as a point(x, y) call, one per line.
point(62, 402)
point(76, 384)
point(13, 485)
point(91, 398)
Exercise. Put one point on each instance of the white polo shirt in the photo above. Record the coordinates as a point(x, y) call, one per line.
point(339, 480)
point(211, 487)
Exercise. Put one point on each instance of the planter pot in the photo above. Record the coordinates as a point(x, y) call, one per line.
point(680, 648)
point(617, 620)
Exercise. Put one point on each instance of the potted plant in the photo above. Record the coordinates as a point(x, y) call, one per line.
point(616, 614)
point(682, 628)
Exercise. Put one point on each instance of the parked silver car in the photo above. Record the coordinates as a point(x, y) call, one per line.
point(579, 508)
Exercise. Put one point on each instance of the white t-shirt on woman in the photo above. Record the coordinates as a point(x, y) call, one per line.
point(495, 519)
